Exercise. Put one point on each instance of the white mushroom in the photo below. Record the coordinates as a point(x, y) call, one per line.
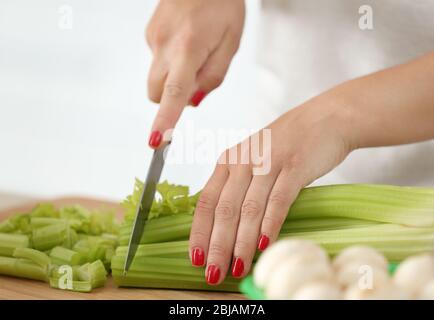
point(319, 290)
point(414, 273)
point(276, 253)
point(362, 255)
point(294, 272)
point(363, 275)
point(428, 291)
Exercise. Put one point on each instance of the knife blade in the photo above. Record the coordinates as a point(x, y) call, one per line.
point(145, 203)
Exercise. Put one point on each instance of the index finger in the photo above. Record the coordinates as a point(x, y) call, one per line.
point(177, 91)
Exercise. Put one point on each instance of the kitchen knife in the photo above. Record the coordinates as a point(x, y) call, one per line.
point(145, 203)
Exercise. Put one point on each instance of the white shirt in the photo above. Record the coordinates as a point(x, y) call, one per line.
point(308, 46)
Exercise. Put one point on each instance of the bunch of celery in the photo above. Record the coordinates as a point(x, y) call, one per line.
point(398, 221)
point(70, 244)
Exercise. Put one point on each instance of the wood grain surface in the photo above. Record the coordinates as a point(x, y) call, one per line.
point(13, 288)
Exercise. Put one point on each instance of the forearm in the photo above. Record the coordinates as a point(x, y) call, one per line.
point(390, 107)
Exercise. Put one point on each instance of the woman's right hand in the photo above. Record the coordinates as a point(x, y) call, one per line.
point(193, 43)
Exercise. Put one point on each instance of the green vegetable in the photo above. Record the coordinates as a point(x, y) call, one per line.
point(398, 221)
point(94, 272)
point(38, 257)
point(48, 237)
point(64, 256)
point(400, 205)
point(8, 243)
point(78, 286)
point(22, 268)
point(36, 245)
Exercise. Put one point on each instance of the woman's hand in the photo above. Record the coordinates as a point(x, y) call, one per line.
point(243, 206)
point(193, 42)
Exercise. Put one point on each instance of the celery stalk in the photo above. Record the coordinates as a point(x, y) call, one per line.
point(38, 257)
point(22, 268)
point(322, 224)
point(398, 205)
point(10, 241)
point(164, 249)
point(171, 233)
point(170, 281)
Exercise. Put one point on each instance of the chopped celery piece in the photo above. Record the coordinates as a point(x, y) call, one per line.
point(10, 241)
point(64, 256)
point(94, 272)
point(44, 210)
point(78, 286)
point(22, 268)
point(70, 238)
point(38, 222)
point(38, 257)
point(50, 236)
point(96, 253)
point(7, 226)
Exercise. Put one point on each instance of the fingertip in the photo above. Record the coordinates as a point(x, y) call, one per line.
point(198, 257)
point(197, 98)
point(263, 242)
point(237, 267)
point(212, 274)
point(155, 139)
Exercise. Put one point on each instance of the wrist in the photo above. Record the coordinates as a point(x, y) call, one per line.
point(335, 112)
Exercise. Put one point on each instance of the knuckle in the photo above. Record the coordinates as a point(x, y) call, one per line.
point(174, 89)
point(224, 211)
point(154, 93)
point(243, 246)
point(273, 222)
point(278, 198)
point(218, 250)
point(197, 236)
point(251, 209)
point(296, 162)
point(156, 36)
point(214, 80)
point(205, 205)
point(187, 40)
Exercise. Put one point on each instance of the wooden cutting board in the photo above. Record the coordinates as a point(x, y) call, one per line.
point(13, 288)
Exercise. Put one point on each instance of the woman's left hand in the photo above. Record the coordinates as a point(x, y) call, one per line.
point(244, 203)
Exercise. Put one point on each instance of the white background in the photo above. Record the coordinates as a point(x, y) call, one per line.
point(74, 113)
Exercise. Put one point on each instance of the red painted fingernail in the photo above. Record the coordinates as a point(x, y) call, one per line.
point(263, 242)
point(155, 139)
point(212, 274)
point(197, 98)
point(237, 267)
point(197, 257)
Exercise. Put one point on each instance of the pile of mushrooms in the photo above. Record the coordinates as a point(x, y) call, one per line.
point(301, 270)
